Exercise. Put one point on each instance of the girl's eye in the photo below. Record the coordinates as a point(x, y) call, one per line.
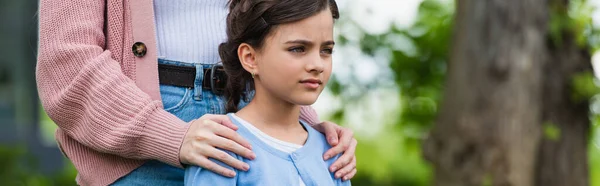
point(327, 51)
point(296, 49)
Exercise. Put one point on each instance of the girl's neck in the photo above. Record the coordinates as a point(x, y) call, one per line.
point(271, 112)
point(276, 117)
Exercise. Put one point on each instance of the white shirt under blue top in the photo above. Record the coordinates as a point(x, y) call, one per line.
point(273, 166)
point(284, 146)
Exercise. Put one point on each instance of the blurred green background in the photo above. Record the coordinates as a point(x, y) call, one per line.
point(387, 85)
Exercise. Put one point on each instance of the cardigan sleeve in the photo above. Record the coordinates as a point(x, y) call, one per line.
point(308, 114)
point(85, 92)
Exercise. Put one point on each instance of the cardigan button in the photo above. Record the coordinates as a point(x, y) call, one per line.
point(139, 49)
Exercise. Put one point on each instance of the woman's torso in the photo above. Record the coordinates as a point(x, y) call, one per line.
point(190, 30)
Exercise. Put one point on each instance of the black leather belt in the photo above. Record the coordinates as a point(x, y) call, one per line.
point(214, 78)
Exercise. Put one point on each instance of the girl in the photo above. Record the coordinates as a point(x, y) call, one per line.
point(281, 50)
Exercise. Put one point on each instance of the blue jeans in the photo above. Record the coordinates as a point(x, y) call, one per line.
point(187, 104)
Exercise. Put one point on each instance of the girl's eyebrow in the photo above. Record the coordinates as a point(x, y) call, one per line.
point(308, 43)
point(300, 41)
point(328, 43)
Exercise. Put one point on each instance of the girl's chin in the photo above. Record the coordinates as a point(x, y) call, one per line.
point(304, 100)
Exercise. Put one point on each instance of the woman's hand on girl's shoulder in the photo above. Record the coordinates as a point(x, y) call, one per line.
point(206, 137)
point(342, 141)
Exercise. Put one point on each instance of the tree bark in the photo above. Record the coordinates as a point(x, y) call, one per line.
point(563, 160)
point(507, 82)
point(488, 130)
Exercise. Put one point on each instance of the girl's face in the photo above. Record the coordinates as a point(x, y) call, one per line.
point(294, 63)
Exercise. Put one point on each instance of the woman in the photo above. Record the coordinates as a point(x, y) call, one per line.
point(98, 79)
point(282, 50)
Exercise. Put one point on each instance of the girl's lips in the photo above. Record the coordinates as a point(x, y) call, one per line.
point(312, 80)
point(311, 85)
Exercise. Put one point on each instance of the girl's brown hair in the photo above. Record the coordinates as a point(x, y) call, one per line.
point(251, 21)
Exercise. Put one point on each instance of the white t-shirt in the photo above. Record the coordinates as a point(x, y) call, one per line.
point(190, 30)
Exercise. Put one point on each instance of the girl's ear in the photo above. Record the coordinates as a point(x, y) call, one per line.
point(247, 56)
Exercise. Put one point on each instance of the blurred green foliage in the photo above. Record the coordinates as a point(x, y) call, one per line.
point(418, 65)
point(419, 72)
point(583, 87)
point(19, 168)
point(551, 131)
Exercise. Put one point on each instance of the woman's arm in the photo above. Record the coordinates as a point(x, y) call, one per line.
point(85, 92)
point(309, 115)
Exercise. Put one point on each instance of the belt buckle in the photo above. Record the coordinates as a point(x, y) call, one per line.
point(214, 78)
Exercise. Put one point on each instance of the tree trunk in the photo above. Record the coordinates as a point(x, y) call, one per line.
point(488, 130)
point(562, 159)
point(506, 84)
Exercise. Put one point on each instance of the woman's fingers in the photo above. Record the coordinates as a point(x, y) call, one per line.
point(204, 137)
point(346, 170)
point(234, 143)
point(227, 159)
point(346, 136)
point(350, 175)
point(204, 162)
point(345, 166)
point(231, 145)
point(345, 159)
point(220, 119)
point(330, 130)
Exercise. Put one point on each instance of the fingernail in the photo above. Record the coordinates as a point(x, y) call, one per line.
point(333, 168)
point(338, 175)
point(230, 174)
point(246, 167)
point(326, 157)
point(333, 140)
point(345, 178)
point(253, 156)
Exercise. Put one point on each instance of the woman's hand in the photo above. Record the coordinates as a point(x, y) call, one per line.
point(342, 141)
point(208, 133)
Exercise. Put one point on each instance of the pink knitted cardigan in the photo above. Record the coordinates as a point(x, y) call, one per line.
point(105, 100)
